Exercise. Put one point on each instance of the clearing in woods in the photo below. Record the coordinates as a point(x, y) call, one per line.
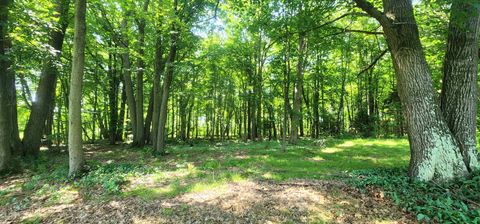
point(229, 182)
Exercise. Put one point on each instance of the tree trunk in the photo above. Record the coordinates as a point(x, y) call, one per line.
point(45, 94)
point(149, 117)
point(15, 141)
point(316, 98)
point(127, 82)
point(157, 99)
point(76, 157)
point(113, 99)
point(5, 91)
point(434, 152)
point(141, 68)
point(160, 144)
point(459, 90)
point(297, 102)
point(122, 115)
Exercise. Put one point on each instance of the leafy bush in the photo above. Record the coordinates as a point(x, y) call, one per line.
point(104, 178)
point(456, 201)
point(110, 177)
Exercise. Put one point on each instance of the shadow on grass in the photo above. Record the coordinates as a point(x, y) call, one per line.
point(192, 169)
point(305, 160)
point(121, 172)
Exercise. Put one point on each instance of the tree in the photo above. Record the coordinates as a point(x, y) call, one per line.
point(459, 91)
point(5, 91)
point(141, 69)
point(434, 151)
point(45, 94)
point(298, 91)
point(167, 81)
point(76, 157)
point(127, 78)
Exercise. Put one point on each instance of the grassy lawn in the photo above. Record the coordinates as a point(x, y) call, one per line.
point(210, 166)
point(121, 174)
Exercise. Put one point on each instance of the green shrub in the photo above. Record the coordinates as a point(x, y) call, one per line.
point(447, 202)
point(110, 177)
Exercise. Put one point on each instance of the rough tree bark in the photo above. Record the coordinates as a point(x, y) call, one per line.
point(434, 151)
point(5, 99)
point(45, 94)
point(76, 157)
point(459, 90)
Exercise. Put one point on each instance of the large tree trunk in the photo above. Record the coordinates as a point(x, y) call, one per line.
point(459, 90)
point(5, 99)
point(45, 94)
point(76, 157)
point(434, 152)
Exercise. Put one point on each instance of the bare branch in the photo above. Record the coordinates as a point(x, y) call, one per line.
point(374, 62)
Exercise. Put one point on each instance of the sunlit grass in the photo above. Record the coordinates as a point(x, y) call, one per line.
point(203, 167)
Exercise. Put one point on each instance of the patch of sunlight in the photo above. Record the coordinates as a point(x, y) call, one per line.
point(343, 202)
point(177, 188)
point(147, 220)
point(268, 175)
point(169, 175)
point(317, 158)
point(220, 184)
point(200, 187)
point(242, 157)
point(64, 195)
point(386, 222)
point(148, 193)
point(320, 215)
point(364, 158)
point(32, 219)
point(332, 150)
point(38, 215)
point(349, 143)
point(392, 142)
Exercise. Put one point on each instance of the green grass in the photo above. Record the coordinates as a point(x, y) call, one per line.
point(206, 166)
point(305, 160)
point(121, 172)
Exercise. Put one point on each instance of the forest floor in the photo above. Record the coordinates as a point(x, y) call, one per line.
point(229, 182)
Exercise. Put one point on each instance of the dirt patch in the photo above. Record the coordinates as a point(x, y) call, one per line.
point(299, 201)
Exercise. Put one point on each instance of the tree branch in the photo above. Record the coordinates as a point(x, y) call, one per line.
point(362, 31)
point(374, 62)
point(373, 12)
point(332, 21)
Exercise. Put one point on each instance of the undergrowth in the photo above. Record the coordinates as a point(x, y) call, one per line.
point(456, 201)
point(102, 180)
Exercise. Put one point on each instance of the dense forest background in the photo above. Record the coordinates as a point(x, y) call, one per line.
point(235, 61)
